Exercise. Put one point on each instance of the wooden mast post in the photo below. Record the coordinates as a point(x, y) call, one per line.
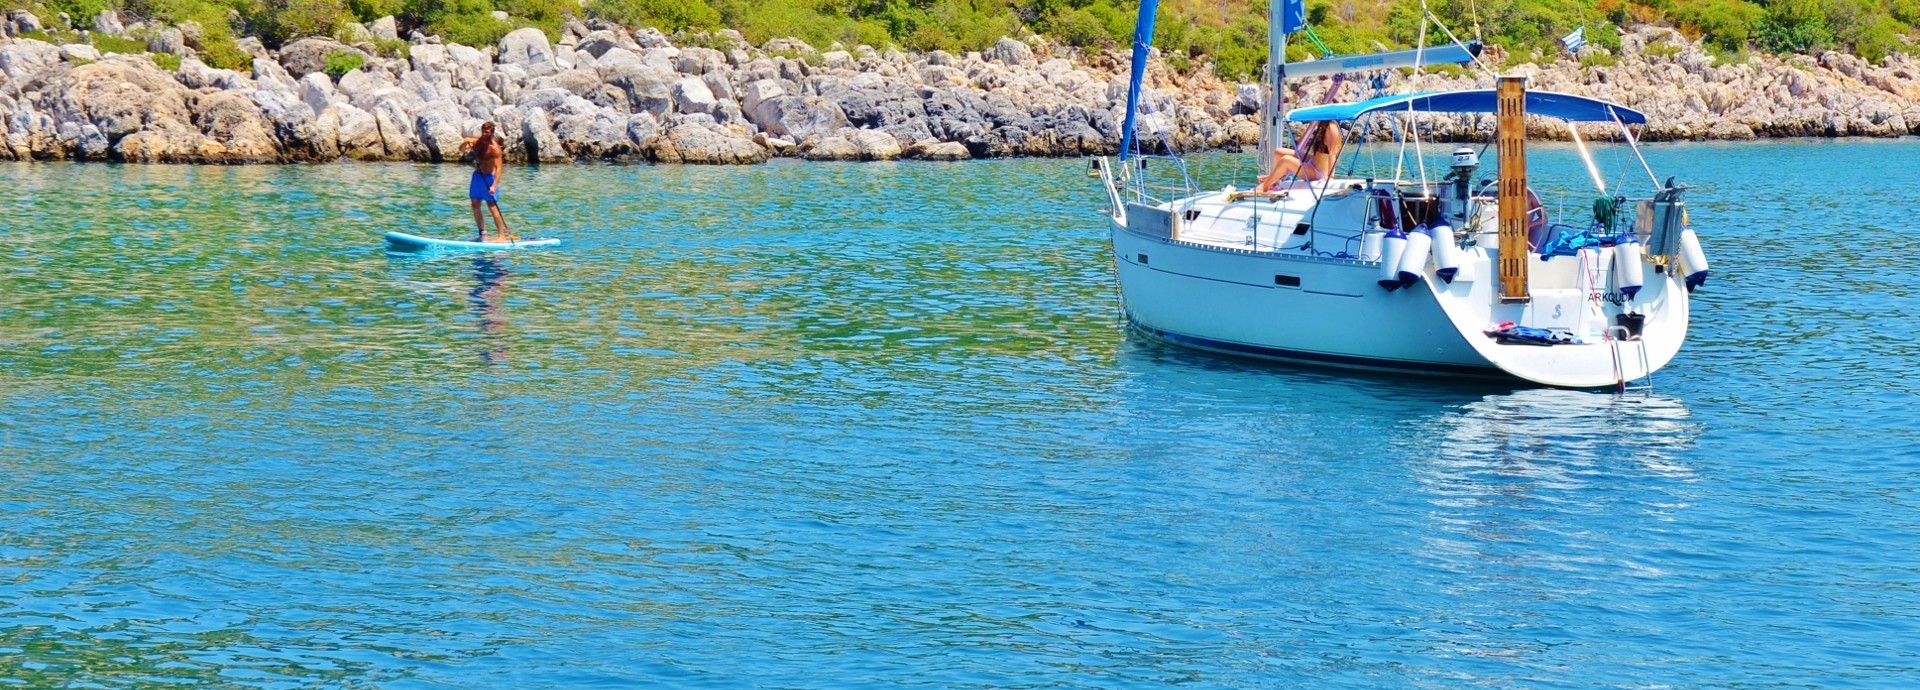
point(1512, 96)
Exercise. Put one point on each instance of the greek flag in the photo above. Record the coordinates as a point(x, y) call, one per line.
point(1576, 40)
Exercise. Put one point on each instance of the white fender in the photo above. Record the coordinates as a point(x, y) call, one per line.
point(1370, 245)
point(1446, 256)
point(1629, 270)
point(1694, 260)
point(1413, 261)
point(1391, 247)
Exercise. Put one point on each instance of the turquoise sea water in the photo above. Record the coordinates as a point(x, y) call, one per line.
point(877, 425)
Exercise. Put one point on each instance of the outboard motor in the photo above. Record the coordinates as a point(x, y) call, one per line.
point(1465, 163)
point(1669, 235)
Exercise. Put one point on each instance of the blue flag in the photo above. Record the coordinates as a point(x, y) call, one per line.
point(1293, 16)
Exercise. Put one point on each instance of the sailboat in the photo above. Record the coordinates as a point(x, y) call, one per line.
point(1452, 277)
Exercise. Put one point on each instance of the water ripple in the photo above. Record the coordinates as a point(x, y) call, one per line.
point(816, 425)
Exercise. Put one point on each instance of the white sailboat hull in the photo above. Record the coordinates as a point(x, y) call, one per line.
point(1332, 312)
point(1225, 301)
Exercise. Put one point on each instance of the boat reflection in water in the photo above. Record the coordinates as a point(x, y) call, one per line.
point(1433, 518)
point(1527, 430)
point(1433, 424)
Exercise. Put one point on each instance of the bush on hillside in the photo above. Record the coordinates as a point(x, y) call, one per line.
point(1229, 34)
point(82, 11)
point(1097, 25)
point(1725, 24)
point(278, 22)
point(1794, 26)
point(467, 22)
point(391, 47)
point(369, 10)
point(217, 45)
point(338, 63)
point(666, 15)
point(962, 25)
point(116, 44)
point(549, 16)
point(1874, 38)
point(762, 21)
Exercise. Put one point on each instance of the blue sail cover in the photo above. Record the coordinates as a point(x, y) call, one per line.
point(1142, 39)
point(1293, 15)
point(1556, 105)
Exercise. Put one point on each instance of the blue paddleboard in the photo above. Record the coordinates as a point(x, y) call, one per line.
point(401, 240)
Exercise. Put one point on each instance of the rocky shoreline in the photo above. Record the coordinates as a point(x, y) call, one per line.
point(603, 92)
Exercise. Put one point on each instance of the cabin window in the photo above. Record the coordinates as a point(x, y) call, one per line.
point(1140, 259)
point(1284, 280)
point(1302, 229)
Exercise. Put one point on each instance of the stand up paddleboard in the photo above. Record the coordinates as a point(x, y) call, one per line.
point(401, 240)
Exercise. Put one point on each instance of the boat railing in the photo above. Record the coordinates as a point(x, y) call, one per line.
point(1155, 179)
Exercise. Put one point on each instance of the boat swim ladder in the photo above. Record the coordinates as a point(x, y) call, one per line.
point(1615, 336)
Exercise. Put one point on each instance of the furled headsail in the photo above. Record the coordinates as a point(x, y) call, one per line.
point(1142, 42)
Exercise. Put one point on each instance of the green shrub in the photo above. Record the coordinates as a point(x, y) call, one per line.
point(1726, 57)
point(225, 54)
point(1660, 49)
point(1080, 27)
point(762, 21)
point(1524, 27)
point(217, 45)
point(670, 16)
point(54, 36)
point(1795, 26)
point(167, 61)
point(117, 44)
point(1726, 24)
point(467, 22)
point(369, 10)
point(1599, 59)
point(391, 47)
point(1905, 11)
point(549, 16)
point(806, 56)
point(82, 11)
point(469, 29)
point(702, 39)
point(1874, 38)
point(281, 21)
point(338, 63)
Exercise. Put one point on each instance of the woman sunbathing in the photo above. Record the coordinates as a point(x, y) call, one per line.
point(1322, 142)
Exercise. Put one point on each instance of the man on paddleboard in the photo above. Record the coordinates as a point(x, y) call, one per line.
point(488, 159)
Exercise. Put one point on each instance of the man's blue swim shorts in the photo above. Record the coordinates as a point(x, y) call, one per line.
point(479, 188)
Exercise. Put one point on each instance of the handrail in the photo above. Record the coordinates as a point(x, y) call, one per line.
point(1153, 191)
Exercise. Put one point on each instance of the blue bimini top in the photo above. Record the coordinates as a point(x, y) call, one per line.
point(1550, 104)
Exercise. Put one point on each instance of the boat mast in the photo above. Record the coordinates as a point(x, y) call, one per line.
point(1274, 110)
